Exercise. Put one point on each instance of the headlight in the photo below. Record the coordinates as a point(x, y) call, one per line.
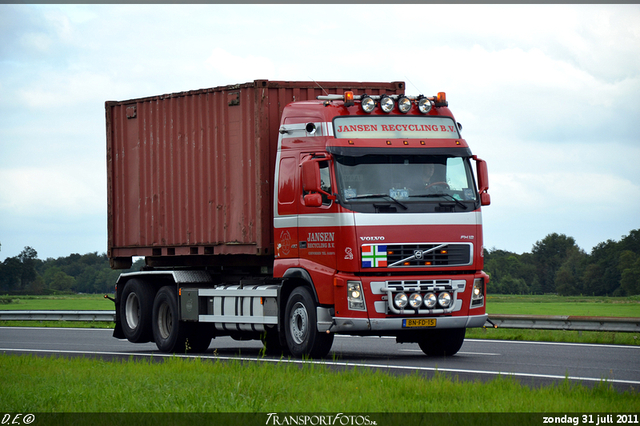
point(430, 300)
point(404, 104)
point(444, 299)
point(368, 104)
point(355, 296)
point(477, 294)
point(400, 300)
point(387, 104)
point(415, 300)
point(424, 105)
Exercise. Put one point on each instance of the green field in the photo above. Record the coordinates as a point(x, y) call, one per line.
point(75, 302)
point(627, 307)
point(38, 384)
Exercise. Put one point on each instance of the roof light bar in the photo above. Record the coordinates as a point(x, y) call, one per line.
point(388, 102)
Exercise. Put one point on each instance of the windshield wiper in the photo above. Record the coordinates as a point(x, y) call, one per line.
point(458, 202)
point(363, 196)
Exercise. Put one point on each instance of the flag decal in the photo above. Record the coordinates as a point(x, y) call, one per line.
point(374, 256)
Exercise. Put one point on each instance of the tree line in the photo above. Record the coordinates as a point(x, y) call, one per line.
point(88, 273)
point(554, 265)
point(557, 265)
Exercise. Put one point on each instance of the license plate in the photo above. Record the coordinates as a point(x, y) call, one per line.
point(418, 322)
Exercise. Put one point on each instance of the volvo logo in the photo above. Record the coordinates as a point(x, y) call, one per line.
point(372, 238)
point(418, 254)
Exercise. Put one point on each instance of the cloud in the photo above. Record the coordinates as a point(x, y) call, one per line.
point(240, 68)
point(71, 191)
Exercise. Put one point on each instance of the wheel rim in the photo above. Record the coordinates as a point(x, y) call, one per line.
point(165, 321)
point(299, 323)
point(132, 310)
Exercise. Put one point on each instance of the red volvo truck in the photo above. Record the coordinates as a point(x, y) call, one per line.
point(292, 211)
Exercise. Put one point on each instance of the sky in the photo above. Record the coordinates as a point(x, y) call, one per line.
point(548, 95)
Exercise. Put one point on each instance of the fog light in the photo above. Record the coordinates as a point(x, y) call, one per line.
point(400, 300)
point(355, 296)
point(430, 300)
point(444, 299)
point(415, 300)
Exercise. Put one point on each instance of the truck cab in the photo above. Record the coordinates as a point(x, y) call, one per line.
point(376, 206)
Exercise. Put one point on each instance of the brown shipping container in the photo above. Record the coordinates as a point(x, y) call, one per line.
point(190, 174)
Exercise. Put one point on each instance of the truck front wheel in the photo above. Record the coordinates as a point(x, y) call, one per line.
point(442, 342)
point(135, 311)
point(301, 329)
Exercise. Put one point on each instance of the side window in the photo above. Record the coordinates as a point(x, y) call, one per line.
point(325, 177)
point(286, 184)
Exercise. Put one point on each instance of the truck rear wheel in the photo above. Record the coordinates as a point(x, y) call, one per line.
point(301, 330)
point(442, 342)
point(136, 311)
point(170, 334)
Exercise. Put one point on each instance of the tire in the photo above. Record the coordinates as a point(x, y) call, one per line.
point(167, 332)
point(172, 335)
point(301, 330)
point(136, 311)
point(442, 342)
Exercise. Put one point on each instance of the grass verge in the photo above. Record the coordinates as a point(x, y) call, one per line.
point(56, 384)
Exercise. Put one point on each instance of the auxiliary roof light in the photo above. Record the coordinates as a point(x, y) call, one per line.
point(367, 103)
point(424, 104)
point(387, 103)
point(441, 99)
point(348, 99)
point(404, 104)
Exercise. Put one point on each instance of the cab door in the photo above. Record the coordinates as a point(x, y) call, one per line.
point(318, 222)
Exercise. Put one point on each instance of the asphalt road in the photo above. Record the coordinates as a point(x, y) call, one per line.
point(533, 363)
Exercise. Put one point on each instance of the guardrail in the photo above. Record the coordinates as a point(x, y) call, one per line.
point(58, 316)
point(559, 322)
point(546, 322)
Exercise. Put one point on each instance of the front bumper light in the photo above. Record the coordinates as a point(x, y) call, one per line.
point(415, 300)
point(444, 299)
point(401, 300)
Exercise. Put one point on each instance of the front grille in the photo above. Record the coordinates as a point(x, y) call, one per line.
point(428, 255)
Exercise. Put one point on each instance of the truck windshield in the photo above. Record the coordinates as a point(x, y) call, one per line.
point(413, 183)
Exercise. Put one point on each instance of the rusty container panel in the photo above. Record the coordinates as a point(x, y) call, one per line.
point(190, 174)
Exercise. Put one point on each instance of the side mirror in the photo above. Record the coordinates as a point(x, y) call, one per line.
point(311, 181)
point(313, 200)
point(483, 181)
